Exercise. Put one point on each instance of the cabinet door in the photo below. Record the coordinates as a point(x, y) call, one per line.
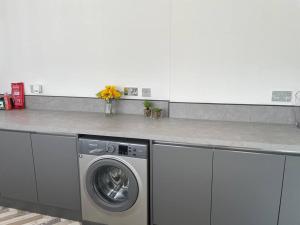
point(182, 179)
point(290, 203)
point(246, 188)
point(55, 159)
point(17, 178)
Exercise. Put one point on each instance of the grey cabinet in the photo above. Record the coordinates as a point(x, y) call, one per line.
point(17, 178)
point(290, 203)
point(182, 179)
point(246, 188)
point(55, 159)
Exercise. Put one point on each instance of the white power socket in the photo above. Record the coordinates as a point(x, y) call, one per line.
point(36, 89)
point(131, 91)
point(282, 96)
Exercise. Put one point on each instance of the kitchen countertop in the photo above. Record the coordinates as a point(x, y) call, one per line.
point(255, 137)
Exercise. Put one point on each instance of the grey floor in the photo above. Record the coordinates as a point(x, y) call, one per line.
point(10, 216)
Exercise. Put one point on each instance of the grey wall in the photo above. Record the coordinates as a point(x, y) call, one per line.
point(222, 112)
point(241, 113)
point(89, 104)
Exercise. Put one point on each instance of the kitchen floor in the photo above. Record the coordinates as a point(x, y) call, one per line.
point(10, 216)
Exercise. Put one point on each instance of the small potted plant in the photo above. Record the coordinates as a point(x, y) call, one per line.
point(147, 109)
point(156, 113)
point(109, 94)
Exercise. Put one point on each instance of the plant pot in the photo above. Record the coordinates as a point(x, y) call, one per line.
point(147, 112)
point(156, 114)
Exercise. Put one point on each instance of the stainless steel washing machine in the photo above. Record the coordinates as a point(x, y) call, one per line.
point(114, 180)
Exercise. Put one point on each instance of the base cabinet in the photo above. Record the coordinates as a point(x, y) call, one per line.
point(181, 185)
point(246, 188)
point(57, 176)
point(17, 178)
point(290, 203)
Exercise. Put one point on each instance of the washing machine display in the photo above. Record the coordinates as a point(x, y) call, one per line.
point(112, 185)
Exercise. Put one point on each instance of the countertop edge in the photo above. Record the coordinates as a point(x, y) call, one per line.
point(242, 146)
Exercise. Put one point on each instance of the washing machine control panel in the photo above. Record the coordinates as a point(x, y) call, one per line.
point(133, 149)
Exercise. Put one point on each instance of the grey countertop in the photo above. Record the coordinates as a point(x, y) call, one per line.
point(252, 136)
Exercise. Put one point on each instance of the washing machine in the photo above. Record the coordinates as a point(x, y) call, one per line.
point(114, 180)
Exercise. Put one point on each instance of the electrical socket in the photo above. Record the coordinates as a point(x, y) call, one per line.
point(36, 89)
point(282, 96)
point(131, 91)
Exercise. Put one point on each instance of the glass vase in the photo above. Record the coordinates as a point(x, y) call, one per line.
point(108, 110)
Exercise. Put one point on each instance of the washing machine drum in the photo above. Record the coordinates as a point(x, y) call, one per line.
point(112, 185)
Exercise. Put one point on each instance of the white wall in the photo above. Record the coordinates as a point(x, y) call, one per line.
point(76, 47)
point(233, 51)
point(2, 44)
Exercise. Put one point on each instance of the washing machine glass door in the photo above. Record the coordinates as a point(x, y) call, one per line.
point(112, 185)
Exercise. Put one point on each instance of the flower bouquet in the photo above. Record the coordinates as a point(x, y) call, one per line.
point(109, 94)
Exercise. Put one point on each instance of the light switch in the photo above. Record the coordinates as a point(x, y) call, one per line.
point(146, 92)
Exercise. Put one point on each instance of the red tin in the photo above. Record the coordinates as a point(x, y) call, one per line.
point(18, 95)
point(8, 102)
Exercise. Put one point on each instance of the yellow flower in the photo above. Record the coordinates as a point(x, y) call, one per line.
point(110, 92)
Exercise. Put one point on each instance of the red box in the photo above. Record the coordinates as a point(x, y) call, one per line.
point(8, 102)
point(18, 95)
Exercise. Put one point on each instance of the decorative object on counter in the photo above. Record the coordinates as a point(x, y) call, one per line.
point(156, 113)
point(109, 94)
point(18, 95)
point(297, 109)
point(147, 109)
point(2, 104)
point(8, 101)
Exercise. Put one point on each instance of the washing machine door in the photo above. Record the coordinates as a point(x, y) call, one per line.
point(112, 185)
